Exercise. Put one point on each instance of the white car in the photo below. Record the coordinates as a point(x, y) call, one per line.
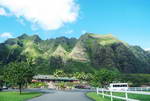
point(4, 87)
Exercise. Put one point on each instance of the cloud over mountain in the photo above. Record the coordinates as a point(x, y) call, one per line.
point(6, 35)
point(46, 14)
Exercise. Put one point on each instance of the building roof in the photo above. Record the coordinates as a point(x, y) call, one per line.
point(51, 77)
point(118, 83)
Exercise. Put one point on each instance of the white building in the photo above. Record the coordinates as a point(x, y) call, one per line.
point(118, 86)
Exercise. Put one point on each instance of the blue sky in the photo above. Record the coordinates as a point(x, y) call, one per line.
point(129, 20)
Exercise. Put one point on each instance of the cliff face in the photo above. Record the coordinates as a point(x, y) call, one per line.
point(88, 53)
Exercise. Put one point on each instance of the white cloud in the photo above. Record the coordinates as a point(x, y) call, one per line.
point(147, 49)
point(3, 12)
point(69, 32)
point(47, 14)
point(6, 35)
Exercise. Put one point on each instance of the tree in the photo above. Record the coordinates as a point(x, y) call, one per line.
point(59, 73)
point(1, 67)
point(136, 80)
point(104, 76)
point(80, 75)
point(56, 62)
point(19, 73)
point(1, 81)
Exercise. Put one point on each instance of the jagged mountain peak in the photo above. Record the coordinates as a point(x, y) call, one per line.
point(102, 39)
point(98, 35)
point(23, 36)
point(34, 38)
point(60, 51)
point(108, 39)
point(95, 50)
point(62, 38)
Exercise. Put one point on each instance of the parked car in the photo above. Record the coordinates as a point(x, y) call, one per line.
point(4, 87)
point(82, 87)
point(1, 89)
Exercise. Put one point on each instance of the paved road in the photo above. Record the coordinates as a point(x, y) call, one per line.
point(62, 96)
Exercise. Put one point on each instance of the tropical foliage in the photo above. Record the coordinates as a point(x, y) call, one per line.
point(18, 73)
point(88, 53)
point(104, 77)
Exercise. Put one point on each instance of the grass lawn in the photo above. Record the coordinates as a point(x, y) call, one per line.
point(15, 96)
point(135, 96)
point(96, 97)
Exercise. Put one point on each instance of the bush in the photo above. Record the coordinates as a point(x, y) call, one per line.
point(38, 85)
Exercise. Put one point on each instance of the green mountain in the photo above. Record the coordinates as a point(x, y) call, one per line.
point(88, 53)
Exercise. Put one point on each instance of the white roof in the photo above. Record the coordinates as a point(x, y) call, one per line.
point(118, 83)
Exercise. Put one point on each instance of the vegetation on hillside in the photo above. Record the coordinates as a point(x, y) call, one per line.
point(88, 53)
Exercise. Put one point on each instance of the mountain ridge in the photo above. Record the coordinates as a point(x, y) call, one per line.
point(89, 52)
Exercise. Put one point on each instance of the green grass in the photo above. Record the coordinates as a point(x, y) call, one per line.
point(96, 97)
point(15, 96)
point(135, 96)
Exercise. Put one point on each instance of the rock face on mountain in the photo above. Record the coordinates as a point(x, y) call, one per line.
point(89, 52)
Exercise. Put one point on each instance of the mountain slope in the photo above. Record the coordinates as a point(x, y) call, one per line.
point(109, 52)
point(79, 53)
point(89, 52)
point(60, 51)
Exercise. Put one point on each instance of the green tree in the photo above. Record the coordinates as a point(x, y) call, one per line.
point(80, 75)
point(19, 73)
point(104, 76)
point(56, 62)
point(136, 80)
point(59, 73)
point(1, 81)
